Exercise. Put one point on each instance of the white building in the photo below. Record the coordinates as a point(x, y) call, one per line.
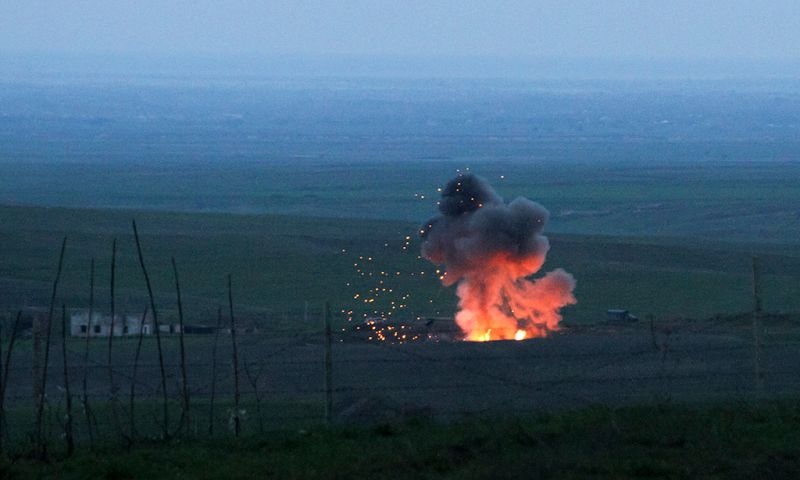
point(100, 326)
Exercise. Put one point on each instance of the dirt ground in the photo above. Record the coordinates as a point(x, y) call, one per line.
point(611, 364)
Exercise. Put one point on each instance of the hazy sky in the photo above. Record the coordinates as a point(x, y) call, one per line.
point(572, 28)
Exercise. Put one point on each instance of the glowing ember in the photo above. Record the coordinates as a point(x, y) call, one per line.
point(489, 249)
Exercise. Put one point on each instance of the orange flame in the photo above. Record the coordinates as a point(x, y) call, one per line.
point(498, 302)
point(491, 248)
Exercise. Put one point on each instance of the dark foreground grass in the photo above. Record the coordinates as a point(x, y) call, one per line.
point(665, 441)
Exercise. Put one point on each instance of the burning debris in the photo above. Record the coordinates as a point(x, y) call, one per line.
point(490, 248)
point(399, 331)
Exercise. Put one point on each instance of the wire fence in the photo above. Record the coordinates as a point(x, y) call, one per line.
point(286, 381)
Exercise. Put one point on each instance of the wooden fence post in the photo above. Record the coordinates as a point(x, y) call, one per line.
point(759, 374)
point(235, 360)
point(328, 365)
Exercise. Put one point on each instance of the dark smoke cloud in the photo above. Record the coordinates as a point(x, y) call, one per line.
point(476, 223)
point(490, 247)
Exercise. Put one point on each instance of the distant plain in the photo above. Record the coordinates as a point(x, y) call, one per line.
point(659, 192)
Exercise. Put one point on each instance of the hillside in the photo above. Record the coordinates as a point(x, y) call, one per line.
point(279, 262)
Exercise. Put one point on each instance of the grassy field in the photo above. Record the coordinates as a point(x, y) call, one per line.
point(655, 441)
point(659, 197)
point(644, 195)
point(280, 262)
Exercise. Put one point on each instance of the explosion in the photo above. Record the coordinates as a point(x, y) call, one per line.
point(490, 249)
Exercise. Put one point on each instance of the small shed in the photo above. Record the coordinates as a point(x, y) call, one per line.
point(618, 315)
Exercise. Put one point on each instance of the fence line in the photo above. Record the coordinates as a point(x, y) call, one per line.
point(440, 379)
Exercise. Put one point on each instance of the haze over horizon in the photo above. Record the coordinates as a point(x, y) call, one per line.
point(448, 38)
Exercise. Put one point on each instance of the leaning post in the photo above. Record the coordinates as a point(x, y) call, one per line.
point(326, 315)
point(757, 369)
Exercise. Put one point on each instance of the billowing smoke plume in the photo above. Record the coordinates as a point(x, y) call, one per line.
point(490, 248)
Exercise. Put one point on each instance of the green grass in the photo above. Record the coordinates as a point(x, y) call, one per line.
point(112, 429)
point(652, 196)
point(280, 262)
point(657, 441)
